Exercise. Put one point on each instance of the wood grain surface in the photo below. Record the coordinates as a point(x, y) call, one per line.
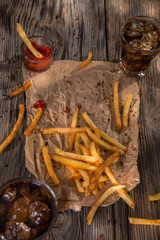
point(77, 26)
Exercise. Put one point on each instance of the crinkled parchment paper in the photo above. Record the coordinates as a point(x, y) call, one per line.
point(63, 87)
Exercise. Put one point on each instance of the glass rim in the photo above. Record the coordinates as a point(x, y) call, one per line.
point(136, 49)
point(50, 43)
point(44, 185)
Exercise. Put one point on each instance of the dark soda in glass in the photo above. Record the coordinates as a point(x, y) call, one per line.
point(140, 43)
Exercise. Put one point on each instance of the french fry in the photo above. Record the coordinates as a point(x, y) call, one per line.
point(77, 143)
point(154, 197)
point(101, 185)
point(95, 191)
point(84, 150)
point(72, 163)
point(141, 221)
point(34, 122)
point(77, 181)
point(100, 200)
point(62, 130)
point(16, 127)
point(96, 175)
point(87, 61)
point(27, 42)
point(49, 166)
point(126, 110)
point(21, 89)
point(116, 106)
point(79, 186)
point(71, 135)
point(85, 139)
point(103, 178)
point(87, 192)
point(75, 176)
point(97, 132)
point(103, 134)
point(102, 143)
point(74, 156)
point(85, 176)
point(122, 192)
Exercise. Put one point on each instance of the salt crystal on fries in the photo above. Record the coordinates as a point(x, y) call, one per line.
point(27, 42)
point(74, 155)
point(116, 106)
point(103, 134)
point(49, 166)
point(102, 143)
point(154, 197)
point(100, 200)
point(141, 221)
point(73, 163)
point(16, 127)
point(62, 130)
point(126, 108)
point(21, 89)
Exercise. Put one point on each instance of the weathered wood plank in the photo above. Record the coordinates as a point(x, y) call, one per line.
point(76, 27)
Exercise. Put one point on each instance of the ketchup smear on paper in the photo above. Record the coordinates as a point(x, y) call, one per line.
point(39, 104)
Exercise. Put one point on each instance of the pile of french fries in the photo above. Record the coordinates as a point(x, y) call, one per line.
point(83, 158)
point(88, 169)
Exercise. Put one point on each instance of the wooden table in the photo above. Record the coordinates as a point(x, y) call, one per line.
point(79, 26)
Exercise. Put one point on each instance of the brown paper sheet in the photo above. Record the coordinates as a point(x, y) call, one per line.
point(63, 87)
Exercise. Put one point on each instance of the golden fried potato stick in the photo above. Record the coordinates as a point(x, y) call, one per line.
point(62, 130)
point(49, 166)
point(21, 89)
point(141, 221)
point(101, 185)
point(95, 191)
point(75, 176)
point(103, 144)
point(87, 61)
point(72, 163)
point(100, 169)
point(116, 106)
point(16, 127)
point(85, 176)
point(74, 156)
point(71, 135)
point(85, 139)
point(34, 122)
point(126, 110)
point(77, 181)
point(103, 134)
point(154, 197)
point(100, 200)
point(122, 192)
point(27, 41)
point(84, 150)
point(87, 192)
point(77, 143)
point(103, 178)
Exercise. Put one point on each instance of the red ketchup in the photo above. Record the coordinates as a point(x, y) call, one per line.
point(38, 63)
point(39, 104)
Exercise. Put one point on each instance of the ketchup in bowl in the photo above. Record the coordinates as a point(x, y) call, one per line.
point(45, 47)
